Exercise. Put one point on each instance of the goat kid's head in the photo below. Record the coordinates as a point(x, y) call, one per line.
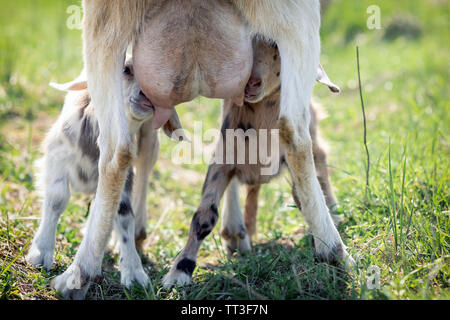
point(265, 76)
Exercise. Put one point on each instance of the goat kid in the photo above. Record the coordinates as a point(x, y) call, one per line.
point(70, 163)
point(262, 107)
point(243, 126)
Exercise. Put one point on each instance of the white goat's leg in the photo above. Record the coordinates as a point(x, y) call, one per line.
point(57, 195)
point(148, 150)
point(106, 38)
point(294, 26)
point(234, 235)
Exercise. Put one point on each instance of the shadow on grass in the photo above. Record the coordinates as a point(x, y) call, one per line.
point(282, 268)
point(276, 270)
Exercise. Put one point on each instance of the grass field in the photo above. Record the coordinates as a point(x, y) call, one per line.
point(401, 226)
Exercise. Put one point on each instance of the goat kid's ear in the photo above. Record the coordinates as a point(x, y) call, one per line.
point(80, 83)
point(322, 78)
point(174, 130)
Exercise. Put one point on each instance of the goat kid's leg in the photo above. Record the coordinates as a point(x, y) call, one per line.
point(234, 235)
point(130, 263)
point(86, 266)
point(148, 150)
point(57, 195)
point(106, 37)
point(202, 224)
point(321, 164)
point(307, 191)
point(251, 209)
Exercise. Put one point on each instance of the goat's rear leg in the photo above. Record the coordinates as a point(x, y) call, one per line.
point(234, 235)
point(202, 224)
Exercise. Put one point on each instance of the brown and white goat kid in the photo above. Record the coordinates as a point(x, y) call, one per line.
point(70, 163)
point(262, 107)
point(260, 111)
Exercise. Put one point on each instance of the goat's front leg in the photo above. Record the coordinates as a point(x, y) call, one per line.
point(202, 224)
point(105, 40)
point(234, 235)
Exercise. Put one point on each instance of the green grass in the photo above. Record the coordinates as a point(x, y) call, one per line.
point(402, 226)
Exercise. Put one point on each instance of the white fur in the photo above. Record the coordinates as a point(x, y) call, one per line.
point(233, 220)
point(130, 263)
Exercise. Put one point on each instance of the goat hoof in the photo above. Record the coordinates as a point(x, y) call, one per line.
point(236, 239)
point(176, 278)
point(336, 255)
point(128, 276)
point(71, 285)
point(40, 257)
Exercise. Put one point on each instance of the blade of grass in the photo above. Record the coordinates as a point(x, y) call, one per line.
point(392, 207)
point(365, 126)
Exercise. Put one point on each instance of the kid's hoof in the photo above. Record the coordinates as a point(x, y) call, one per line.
point(128, 276)
point(236, 239)
point(40, 257)
point(176, 278)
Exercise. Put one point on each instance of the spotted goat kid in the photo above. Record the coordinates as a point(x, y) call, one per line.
point(260, 111)
point(70, 163)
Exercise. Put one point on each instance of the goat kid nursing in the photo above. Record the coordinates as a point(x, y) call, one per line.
point(174, 63)
point(242, 126)
point(70, 163)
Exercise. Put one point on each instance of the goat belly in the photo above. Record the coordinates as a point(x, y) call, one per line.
point(192, 48)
